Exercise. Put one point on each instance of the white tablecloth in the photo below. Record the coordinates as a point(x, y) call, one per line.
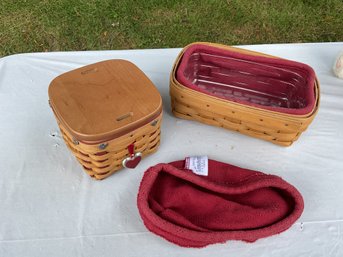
point(50, 207)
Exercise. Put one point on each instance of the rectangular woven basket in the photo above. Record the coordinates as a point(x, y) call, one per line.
point(253, 93)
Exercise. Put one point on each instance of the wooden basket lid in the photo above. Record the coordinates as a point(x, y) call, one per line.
point(104, 100)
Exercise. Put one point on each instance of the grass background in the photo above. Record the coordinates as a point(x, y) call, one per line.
point(60, 25)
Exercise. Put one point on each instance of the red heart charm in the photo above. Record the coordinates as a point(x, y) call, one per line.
point(132, 161)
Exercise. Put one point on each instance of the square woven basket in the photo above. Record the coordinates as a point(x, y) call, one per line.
point(109, 114)
point(253, 93)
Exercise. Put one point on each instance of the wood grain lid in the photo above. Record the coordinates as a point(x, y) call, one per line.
point(104, 100)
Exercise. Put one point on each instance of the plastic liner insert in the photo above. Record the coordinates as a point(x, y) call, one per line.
point(266, 82)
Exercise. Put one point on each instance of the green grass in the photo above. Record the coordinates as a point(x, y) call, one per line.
point(60, 25)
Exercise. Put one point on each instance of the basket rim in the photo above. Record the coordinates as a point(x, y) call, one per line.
point(304, 113)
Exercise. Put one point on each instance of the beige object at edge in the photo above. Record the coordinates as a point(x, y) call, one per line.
point(338, 66)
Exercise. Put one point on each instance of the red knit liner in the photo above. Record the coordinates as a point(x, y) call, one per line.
point(231, 203)
point(270, 83)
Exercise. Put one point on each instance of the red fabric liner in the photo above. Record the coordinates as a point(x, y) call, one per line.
point(279, 85)
point(230, 203)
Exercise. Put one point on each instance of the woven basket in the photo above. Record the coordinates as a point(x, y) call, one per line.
point(100, 163)
point(109, 114)
point(277, 124)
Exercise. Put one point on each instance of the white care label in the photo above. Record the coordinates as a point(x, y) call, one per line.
point(198, 164)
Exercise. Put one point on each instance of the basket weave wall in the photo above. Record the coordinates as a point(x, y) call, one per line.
point(101, 163)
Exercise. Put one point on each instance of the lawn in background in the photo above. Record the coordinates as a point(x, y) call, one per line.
point(61, 25)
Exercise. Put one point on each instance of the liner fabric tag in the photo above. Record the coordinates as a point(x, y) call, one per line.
point(198, 164)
